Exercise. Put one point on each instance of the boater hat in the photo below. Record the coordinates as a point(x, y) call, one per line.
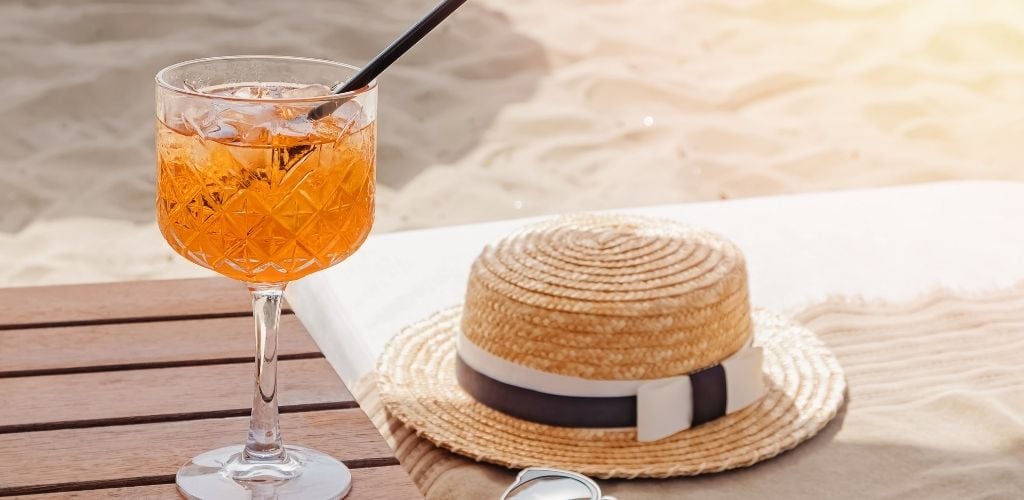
point(613, 346)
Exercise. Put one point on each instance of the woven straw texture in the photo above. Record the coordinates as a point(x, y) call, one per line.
point(806, 388)
point(609, 297)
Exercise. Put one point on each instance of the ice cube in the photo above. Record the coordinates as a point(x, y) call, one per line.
point(296, 110)
point(253, 91)
point(257, 135)
point(171, 110)
point(351, 111)
point(312, 90)
point(199, 120)
point(223, 133)
point(252, 123)
point(298, 127)
point(205, 124)
point(246, 113)
point(248, 92)
point(353, 115)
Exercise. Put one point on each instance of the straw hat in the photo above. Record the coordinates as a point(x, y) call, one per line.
point(590, 309)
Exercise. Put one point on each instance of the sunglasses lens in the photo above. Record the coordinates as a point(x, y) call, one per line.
point(551, 488)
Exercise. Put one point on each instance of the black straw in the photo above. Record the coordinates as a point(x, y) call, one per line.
point(389, 55)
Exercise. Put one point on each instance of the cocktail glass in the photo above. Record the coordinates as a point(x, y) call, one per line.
point(250, 187)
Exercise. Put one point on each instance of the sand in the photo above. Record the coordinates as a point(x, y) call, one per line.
point(514, 108)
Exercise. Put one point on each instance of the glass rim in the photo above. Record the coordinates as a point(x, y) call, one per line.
point(162, 82)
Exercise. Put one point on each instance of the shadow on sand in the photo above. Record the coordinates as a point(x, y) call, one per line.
point(76, 129)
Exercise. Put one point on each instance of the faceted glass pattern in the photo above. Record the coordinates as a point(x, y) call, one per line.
point(264, 175)
point(269, 210)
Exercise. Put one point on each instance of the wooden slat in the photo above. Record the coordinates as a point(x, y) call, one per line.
point(136, 345)
point(158, 492)
point(376, 483)
point(51, 461)
point(120, 302)
point(105, 398)
point(107, 389)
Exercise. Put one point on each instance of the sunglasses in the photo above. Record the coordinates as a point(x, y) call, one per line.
point(538, 483)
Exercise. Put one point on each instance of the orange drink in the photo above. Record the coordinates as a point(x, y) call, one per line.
point(262, 194)
point(264, 175)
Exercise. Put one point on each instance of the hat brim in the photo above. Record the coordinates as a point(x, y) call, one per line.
point(806, 388)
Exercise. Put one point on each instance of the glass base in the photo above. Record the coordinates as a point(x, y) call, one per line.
point(305, 474)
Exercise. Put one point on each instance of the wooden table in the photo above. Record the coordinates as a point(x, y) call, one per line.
point(105, 390)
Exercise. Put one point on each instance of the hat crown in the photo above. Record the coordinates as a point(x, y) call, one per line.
point(609, 298)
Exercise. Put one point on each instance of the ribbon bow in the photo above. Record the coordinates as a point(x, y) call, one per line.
point(657, 408)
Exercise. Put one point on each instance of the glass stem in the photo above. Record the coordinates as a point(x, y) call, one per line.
point(264, 441)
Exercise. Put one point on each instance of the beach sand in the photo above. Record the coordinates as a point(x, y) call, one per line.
point(514, 108)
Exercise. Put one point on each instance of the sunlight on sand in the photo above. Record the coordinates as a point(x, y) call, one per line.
point(519, 108)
